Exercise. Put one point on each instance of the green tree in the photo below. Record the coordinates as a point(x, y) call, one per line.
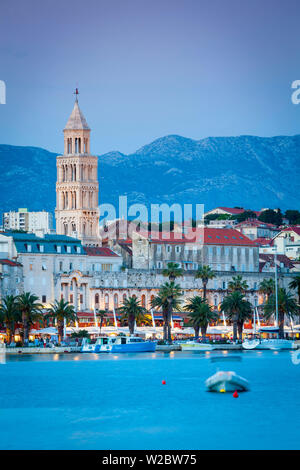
point(267, 287)
point(9, 315)
point(80, 334)
point(200, 314)
point(168, 299)
point(238, 310)
point(205, 273)
point(245, 216)
point(293, 217)
point(30, 310)
point(295, 284)
point(102, 314)
point(271, 216)
point(61, 311)
point(237, 284)
point(287, 306)
point(132, 311)
point(172, 271)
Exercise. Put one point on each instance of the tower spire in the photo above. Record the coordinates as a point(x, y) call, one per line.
point(76, 93)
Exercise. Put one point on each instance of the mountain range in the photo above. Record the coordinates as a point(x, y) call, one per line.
point(248, 171)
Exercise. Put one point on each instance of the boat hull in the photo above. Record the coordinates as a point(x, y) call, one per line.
point(126, 348)
point(196, 347)
point(224, 381)
point(273, 344)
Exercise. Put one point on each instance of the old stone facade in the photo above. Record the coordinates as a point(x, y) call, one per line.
point(77, 188)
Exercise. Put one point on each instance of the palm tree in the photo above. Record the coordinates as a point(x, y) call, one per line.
point(172, 271)
point(237, 284)
point(295, 284)
point(102, 314)
point(168, 299)
point(267, 287)
point(205, 273)
point(201, 314)
point(62, 311)
point(237, 310)
point(9, 315)
point(30, 310)
point(132, 311)
point(286, 306)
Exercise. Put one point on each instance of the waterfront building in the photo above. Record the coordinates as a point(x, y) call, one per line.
point(11, 278)
point(58, 266)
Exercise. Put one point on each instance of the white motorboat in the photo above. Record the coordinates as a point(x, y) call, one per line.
point(274, 344)
point(196, 346)
point(226, 381)
point(269, 343)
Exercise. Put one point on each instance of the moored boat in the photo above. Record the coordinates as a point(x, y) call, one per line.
point(196, 346)
point(226, 381)
point(119, 344)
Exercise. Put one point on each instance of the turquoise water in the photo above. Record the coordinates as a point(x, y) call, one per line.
point(76, 401)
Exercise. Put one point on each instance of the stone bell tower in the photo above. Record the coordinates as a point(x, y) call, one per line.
point(77, 213)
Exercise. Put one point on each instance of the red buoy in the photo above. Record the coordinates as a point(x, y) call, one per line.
point(163, 382)
point(235, 394)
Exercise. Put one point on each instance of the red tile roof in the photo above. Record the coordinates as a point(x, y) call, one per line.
point(256, 223)
point(270, 258)
point(295, 229)
point(9, 262)
point(263, 241)
point(212, 236)
point(99, 251)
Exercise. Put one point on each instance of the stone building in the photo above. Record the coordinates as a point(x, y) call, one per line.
point(11, 278)
point(77, 188)
point(222, 249)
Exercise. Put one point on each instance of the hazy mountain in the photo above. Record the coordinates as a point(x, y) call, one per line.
point(252, 172)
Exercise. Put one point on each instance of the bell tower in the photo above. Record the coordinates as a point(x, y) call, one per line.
point(77, 188)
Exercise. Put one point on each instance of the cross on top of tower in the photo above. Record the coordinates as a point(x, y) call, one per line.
point(76, 93)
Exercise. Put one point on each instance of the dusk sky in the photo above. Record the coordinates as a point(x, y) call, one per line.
point(146, 69)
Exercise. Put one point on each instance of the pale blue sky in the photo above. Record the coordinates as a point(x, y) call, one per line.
point(146, 69)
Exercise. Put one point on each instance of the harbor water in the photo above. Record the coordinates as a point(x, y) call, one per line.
point(108, 401)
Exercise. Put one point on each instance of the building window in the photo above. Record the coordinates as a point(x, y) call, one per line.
point(71, 298)
point(71, 266)
point(106, 302)
point(44, 267)
point(81, 298)
point(178, 249)
point(97, 299)
point(44, 299)
point(60, 265)
point(58, 249)
point(116, 301)
point(106, 267)
point(30, 267)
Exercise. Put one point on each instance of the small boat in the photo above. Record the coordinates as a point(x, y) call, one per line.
point(196, 346)
point(269, 343)
point(119, 344)
point(226, 381)
point(274, 344)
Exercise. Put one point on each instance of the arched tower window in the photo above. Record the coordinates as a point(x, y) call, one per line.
point(116, 301)
point(143, 301)
point(97, 300)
